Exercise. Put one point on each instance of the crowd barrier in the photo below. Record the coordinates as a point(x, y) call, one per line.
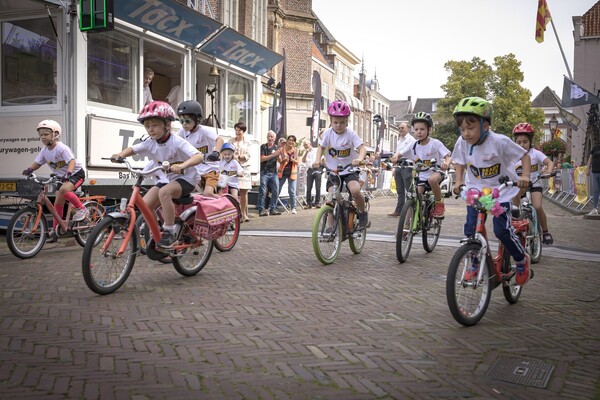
point(571, 188)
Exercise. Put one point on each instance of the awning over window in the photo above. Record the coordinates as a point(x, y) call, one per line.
point(354, 102)
point(189, 27)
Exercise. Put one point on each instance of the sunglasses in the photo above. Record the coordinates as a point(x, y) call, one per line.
point(186, 121)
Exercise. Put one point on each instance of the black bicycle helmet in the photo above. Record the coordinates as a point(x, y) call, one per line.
point(190, 107)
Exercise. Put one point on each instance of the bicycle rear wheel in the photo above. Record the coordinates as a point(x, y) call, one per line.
point(405, 233)
point(103, 271)
point(534, 241)
point(230, 238)
point(468, 299)
point(431, 232)
point(191, 260)
point(144, 232)
point(357, 239)
point(326, 235)
point(82, 229)
point(24, 239)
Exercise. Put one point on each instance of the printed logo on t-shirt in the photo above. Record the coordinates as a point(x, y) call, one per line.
point(485, 172)
point(203, 149)
point(519, 169)
point(339, 153)
point(57, 164)
point(426, 163)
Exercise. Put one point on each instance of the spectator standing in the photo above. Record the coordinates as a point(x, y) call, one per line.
point(269, 152)
point(288, 170)
point(242, 155)
point(402, 176)
point(313, 176)
point(593, 169)
point(148, 76)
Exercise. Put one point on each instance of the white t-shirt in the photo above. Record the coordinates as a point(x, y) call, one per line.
point(58, 159)
point(340, 149)
point(231, 169)
point(537, 164)
point(405, 142)
point(311, 157)
point(203, 139)
point(424, 153)
point(175, 150)
point(490, 160)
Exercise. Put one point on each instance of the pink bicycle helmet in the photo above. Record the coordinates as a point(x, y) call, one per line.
point(338, 108)
point(157, 109)
point(523, 128)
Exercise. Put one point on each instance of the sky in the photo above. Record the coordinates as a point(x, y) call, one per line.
point(407, 43)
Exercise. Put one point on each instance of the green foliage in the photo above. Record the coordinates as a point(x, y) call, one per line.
point(553, 148)
point(500, 83)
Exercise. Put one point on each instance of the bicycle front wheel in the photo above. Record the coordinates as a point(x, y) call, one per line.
point(326, 235)
point(534, 241)
point(468, 297)
point(230, 238)
point(191, 260)
point(82, 229)
point(511, 290)
point(24, 239)
point(405, 233)
point(103, 270)
point(357, 239)
point(431, 232)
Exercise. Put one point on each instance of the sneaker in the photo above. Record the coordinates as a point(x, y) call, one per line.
point(363, 220)
point(472, 272)
point(294, 211)
point(275, 212)
point(394, 214)
point(52, 236)
point(309, 206)
point(80, 214)
point(263, 213)
point(166, 240)
point(523, 271)
point(317, 205)
point(593, 212)
point(439, 210)
point(547, 239)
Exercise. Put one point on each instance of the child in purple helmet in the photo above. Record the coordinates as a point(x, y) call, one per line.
point(341, 145)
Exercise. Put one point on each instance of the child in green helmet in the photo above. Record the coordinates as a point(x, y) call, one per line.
point(486, 156)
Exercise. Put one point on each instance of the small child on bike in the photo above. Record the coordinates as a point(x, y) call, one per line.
point(425, 149)
point(180, 180)
point(341, 145)
point(62, 162)
point(523, 135)
point(486, 156)
point(205, 140)
point(231, 169)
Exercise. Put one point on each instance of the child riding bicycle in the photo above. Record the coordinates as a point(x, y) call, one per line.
point(523, 135)
point(341, 145)
point(62, 162)
point(487, 156)
point(181, 179)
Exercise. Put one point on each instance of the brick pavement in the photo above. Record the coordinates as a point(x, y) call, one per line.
point(267, 321)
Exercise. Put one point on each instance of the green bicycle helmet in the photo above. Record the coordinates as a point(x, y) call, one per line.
point(476, 106)
point(422, 117)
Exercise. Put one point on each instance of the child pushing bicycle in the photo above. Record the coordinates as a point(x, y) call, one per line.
point(341, 145)
point(486, 156)
point(62, 162)
point(181, 179)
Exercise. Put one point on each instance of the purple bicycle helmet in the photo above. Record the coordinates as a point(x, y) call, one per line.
point(338, 108)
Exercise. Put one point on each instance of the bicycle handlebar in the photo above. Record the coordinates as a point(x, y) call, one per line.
point(122, 160)
point(44, 181)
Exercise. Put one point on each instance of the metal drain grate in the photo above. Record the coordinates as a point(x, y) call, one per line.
point(524, 372)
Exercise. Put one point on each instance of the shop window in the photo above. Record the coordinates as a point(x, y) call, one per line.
point(239, 100)
point(112, 61)
point(29, 62)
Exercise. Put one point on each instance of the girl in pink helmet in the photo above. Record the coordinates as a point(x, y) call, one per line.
point(341, 145)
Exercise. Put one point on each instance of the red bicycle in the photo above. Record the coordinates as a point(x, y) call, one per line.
point(473, 272)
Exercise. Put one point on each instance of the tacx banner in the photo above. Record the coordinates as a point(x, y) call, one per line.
point(575, 95)
point(167, 18)
point(235, 48)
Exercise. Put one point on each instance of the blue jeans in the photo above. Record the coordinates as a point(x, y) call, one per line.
point(291, 190)
point(595, 187)
point(270, 180)
point(502, 229)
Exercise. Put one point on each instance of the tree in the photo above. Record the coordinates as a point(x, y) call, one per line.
point(553, 148)
point(501, 84)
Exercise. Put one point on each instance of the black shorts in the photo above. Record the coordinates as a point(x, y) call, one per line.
point(186, 187)
point(331, 180)
point(536, 189)
point(77, 178)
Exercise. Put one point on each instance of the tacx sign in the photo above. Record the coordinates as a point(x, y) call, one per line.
point(185, 25)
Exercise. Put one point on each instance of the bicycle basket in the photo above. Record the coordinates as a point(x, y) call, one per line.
point(28, 188)
point(213, 216)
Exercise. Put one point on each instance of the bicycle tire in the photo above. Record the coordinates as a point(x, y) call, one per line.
point(23, 241)
point(191, 260)
point(103, 273)
point(326, 245)
point(431, 231)
point(468, 300)
point(230, 238)
point(82, 229)
point(144, 232)
point(405, 232)
point(357, 239)
point(534, 242)
point(511, 290)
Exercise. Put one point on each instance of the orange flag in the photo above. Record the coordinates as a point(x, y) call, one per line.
point(543, 17)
